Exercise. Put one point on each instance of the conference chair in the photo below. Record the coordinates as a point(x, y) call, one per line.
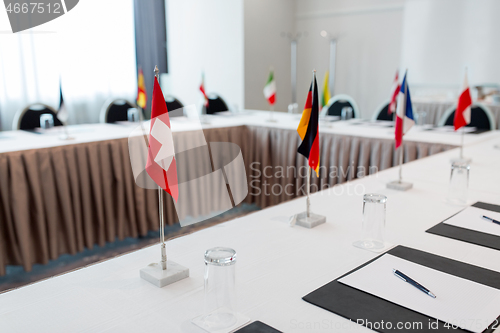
point(115, 110)
point(173, 104)
point(481, 117)
point(215, 104)
point(336, 103)
point(382, 112)
point(29, 117)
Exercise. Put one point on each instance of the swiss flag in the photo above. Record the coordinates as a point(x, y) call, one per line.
point(462, 113)
point(161, 165)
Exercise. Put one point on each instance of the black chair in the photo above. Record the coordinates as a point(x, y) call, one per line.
point(481, 117)
point(382, 113)
point(337, 103)
point(29, 117)
point(173, 104)
point(115, 110)
point(215, 104)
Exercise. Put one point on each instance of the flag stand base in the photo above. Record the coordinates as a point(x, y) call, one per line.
point(161, 278)
point(310, 222)
point(464, 160)
point(399, 185)
point(271, 120)
point(66, 137)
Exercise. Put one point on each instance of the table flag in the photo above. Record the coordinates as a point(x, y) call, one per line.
point(404, 119)
point(462, 113)
point(62, 113)
point(326, 91)
point(270, 89)
point(308, 128)
point(161, 164)
point(141, 90)
point(202, 88)
point(394, 94)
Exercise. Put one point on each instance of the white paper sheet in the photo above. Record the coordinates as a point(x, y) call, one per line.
point(464, 303)
point(470, 218)
point(452, 129)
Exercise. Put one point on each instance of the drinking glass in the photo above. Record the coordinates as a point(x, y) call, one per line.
point(420, 115)
point(46, 121)
point(133, 115)
point(220, 296)
point(373, 222)
point(346, 113)
point(459, 183)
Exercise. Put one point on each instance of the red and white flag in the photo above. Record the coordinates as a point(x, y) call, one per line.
point(161, 165)
point(462, 114)
point(202, 89)
point(394, 94)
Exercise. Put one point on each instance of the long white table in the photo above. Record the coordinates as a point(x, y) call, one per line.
point(277, 264)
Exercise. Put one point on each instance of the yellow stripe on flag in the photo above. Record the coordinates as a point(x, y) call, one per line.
point(304, 121)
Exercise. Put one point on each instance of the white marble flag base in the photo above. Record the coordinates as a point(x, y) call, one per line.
point(271, 120)
point(310, 222)
point(161, 278)
point(399, 185)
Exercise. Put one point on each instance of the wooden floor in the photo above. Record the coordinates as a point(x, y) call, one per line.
point(16, 276)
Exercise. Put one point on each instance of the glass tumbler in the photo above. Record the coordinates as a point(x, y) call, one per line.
point(459, 183)
point(133, 115)
point(346, 113)
point(220, 295)
point(46, 121)
point(373, 222)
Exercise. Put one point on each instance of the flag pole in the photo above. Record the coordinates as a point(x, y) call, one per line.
point(163, 261)
point(462, 143)
point(401, 162)
point(308, 201)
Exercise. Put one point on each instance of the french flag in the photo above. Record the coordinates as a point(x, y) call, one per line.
point(404, 113)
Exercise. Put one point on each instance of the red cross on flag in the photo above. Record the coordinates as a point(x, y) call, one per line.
point(161, 166)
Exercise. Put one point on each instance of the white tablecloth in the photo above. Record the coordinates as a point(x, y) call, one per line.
point(277, 264)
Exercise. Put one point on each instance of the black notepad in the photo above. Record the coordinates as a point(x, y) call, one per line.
point(467, 235)
point(371, 311)
point(257, 327)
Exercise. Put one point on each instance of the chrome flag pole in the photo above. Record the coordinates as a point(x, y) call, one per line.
point(163, 261)
point(157, 273)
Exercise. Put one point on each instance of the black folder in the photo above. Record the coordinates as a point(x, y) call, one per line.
point(257, 327)
point(357, 305)
point(467, 235)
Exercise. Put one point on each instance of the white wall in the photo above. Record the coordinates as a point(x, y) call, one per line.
point(441, 38)
point(368, 47)
point(205, 36)
point(264, 48)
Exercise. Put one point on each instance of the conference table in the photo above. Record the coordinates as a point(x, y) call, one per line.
point(435, 109)
point(64, 196)
point(277, 264)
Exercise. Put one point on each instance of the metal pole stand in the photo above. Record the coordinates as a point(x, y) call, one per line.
point(400, 185)
point(271, 115)
point(462, 158)
point(307, 219)
point(165, 272)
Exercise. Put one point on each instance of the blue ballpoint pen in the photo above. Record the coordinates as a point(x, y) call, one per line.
point(414, 283)
point(490, 219)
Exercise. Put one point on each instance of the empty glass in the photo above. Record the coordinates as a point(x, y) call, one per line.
point(420, 118)
point(220, 296)
point(346, 113)
point(459, 183)
point(133, 115)
point(46, 120)
point(373, 222)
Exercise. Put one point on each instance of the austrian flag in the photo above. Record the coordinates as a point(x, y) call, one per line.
point(161, 166)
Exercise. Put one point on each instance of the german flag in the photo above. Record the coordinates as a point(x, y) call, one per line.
point(308, 128)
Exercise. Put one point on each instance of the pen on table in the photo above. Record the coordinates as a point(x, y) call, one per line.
point(414, 283)
point(490, 219)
